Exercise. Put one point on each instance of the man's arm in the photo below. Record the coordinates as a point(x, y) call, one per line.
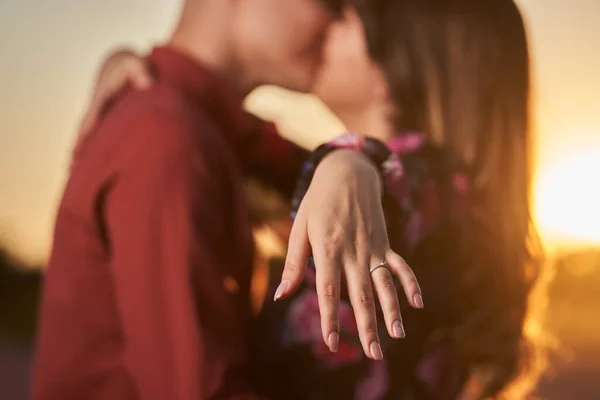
point(163, 219)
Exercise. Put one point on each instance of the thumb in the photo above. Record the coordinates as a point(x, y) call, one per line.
point(296, 259)
point(85, 128)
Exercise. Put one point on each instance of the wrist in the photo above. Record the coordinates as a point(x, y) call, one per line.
point(350, 166)
point(352, 153)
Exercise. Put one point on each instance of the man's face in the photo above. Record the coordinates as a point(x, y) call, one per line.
point(280, 42)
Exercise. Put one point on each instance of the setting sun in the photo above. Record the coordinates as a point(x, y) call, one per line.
point(566, 199)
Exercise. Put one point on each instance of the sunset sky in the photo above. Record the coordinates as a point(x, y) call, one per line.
point(51, 48)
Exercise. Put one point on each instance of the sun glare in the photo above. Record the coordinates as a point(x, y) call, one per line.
point(566, 200)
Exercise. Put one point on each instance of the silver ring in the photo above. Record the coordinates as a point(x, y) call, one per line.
point(382, 263)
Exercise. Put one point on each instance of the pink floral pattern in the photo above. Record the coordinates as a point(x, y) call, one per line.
point(348, 141)
point(375, 383)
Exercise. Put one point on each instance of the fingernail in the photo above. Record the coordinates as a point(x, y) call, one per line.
point(418, 300)
point(334, 342)
point(376, 351)
point(281, 290)
point(398, 330)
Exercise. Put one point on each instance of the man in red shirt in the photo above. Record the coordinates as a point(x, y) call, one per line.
point(147, 288)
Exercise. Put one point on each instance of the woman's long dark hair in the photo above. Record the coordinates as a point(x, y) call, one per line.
point(459, 71)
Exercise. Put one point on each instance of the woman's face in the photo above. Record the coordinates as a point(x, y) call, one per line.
point(348, 79)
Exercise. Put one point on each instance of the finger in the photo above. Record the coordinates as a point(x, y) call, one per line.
point(295, 260)
point(76, 152)
point(88, 122)
point(360, 290)
point(328, 277)
point(85, 128)
point(407, 279)
point(78, 145)
point(102, 94)
point(138, 74)
point(383, 281)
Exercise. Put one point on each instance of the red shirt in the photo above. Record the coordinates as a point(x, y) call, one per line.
point(147, 289)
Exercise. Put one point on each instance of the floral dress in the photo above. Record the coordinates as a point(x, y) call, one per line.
point(422, 206)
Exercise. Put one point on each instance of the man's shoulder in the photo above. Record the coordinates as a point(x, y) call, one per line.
point(165, 105)
point(161, 117)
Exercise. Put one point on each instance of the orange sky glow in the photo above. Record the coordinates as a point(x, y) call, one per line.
point(51, 51)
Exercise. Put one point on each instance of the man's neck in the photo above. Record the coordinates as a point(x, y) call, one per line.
point(205, 35)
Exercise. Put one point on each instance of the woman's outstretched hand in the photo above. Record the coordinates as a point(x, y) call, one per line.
point(341, 220)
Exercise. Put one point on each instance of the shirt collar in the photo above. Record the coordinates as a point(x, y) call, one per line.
point(212, 92)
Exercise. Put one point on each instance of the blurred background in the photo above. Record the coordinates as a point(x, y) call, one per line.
point(49, 54)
